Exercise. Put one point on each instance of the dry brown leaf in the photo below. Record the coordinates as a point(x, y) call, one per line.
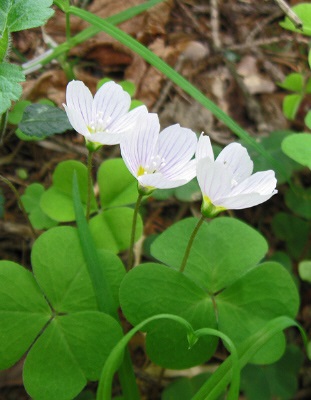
point(50, 84)
point(253, 79)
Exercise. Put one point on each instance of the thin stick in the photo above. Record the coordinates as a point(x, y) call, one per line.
point(290, 13)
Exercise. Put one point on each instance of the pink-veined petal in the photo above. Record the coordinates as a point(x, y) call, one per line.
point(214, 179)
point(115, 136)
point(186, 172)
point(235, 157)
point(80, 99)
point(263, 182)
point(127, 122)
point(76, 120)
point(177, 146)
point(204, 148)
point(139, 147)
point(244, 200)
point(157, 180)
point(112, 101)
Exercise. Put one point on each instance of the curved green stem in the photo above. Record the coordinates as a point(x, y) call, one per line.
point(134, 223)
point(89, 183)
point(115, 357)
point(20, 203)
point(234, 390)
point(188, 249)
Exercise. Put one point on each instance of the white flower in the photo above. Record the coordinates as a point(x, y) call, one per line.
point(227, 182)
point(105, 118)
point(159, 160)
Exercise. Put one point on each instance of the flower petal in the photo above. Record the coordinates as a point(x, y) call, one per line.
point(126, 125)
point(159, 181)
point(112, 101)
point(80, 99)
point(214, 179)
point(186, 172)
point(235, 157)
point(204, 148)
point(244, 200)
point(76, 120)
point(127, 122)
point(255, 190)
point(138, 147)
point(263, 182)
point(177, 146)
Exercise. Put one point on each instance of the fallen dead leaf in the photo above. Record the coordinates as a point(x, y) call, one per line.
point(253, 79)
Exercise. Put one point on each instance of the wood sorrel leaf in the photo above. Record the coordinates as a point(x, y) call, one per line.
point(70, 351)
point(31, 201)
point(184, 388)
point(111, 230)
point(43, 120)
point(298, 147)
point(60, 270)
point(279, 380)
point(55, 312)
point(222, 281)
point(293, 230)
point(152, 289)
point(293, 82)
point(291, 105)
point(16, 15)
point(222, 376)
point(57, 201)
point(223, 250)
point(299, 201)
point(117, 186)
point(262, 294)
point(23, 312)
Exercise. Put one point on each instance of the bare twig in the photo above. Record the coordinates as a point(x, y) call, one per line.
point(290, 13)
point(215, 24)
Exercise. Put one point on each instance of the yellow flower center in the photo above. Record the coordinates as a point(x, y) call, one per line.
point(141, 171)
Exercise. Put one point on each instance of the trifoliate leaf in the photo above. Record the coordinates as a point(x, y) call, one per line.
point(298, 147)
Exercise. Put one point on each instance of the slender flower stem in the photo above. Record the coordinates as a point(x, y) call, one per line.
point(131, 252)
point(89, 183)
point(20, 204)
point(192, 237)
